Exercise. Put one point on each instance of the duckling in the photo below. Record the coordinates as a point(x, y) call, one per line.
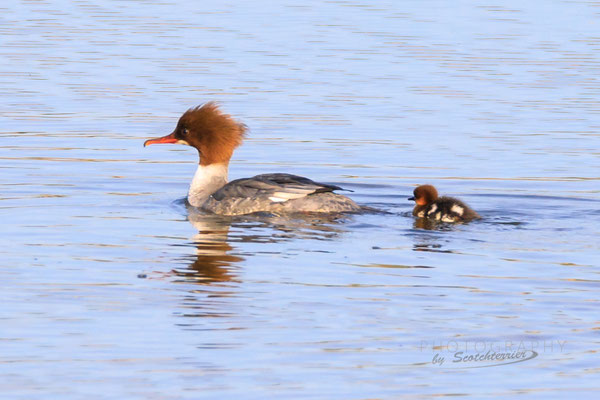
point(445, 209)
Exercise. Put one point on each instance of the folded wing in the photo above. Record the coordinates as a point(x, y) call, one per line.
point(275, 187)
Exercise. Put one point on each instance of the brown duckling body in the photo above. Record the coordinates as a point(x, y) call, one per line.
point(444, 209)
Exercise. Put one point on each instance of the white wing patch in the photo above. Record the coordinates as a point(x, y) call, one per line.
point(432, 209)
point(447, 218)
point(280, 197)
point(421, 214)
point(438, 216)
point(457, 209)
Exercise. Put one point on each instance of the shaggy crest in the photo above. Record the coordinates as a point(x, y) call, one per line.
point(214, 133)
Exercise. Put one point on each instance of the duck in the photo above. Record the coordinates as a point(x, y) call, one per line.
point(215, 135)
point(444, 209)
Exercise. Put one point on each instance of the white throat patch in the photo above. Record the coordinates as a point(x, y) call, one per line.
point(207, 180)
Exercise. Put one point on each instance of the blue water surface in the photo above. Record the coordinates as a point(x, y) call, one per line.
point(113, 289)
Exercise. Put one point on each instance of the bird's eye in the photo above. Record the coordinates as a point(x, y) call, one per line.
point(184, 131)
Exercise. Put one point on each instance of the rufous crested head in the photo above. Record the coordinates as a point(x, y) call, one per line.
point(213, 133)
point(424, 194)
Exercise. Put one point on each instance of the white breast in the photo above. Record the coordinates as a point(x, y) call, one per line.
point(207, 180)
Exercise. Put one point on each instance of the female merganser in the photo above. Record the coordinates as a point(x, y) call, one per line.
point(215, 135)
point(445, 209)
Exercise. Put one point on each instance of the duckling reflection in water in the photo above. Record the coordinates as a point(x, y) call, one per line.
point(443, 209)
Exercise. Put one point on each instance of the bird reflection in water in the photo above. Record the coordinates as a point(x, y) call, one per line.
point(425, 223)
point(430, 241)
point(212, 262)
point(217, 236)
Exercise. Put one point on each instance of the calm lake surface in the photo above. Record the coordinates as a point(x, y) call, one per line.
point(112, 289)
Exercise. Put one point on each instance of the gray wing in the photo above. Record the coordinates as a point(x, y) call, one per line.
point(275, 187)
